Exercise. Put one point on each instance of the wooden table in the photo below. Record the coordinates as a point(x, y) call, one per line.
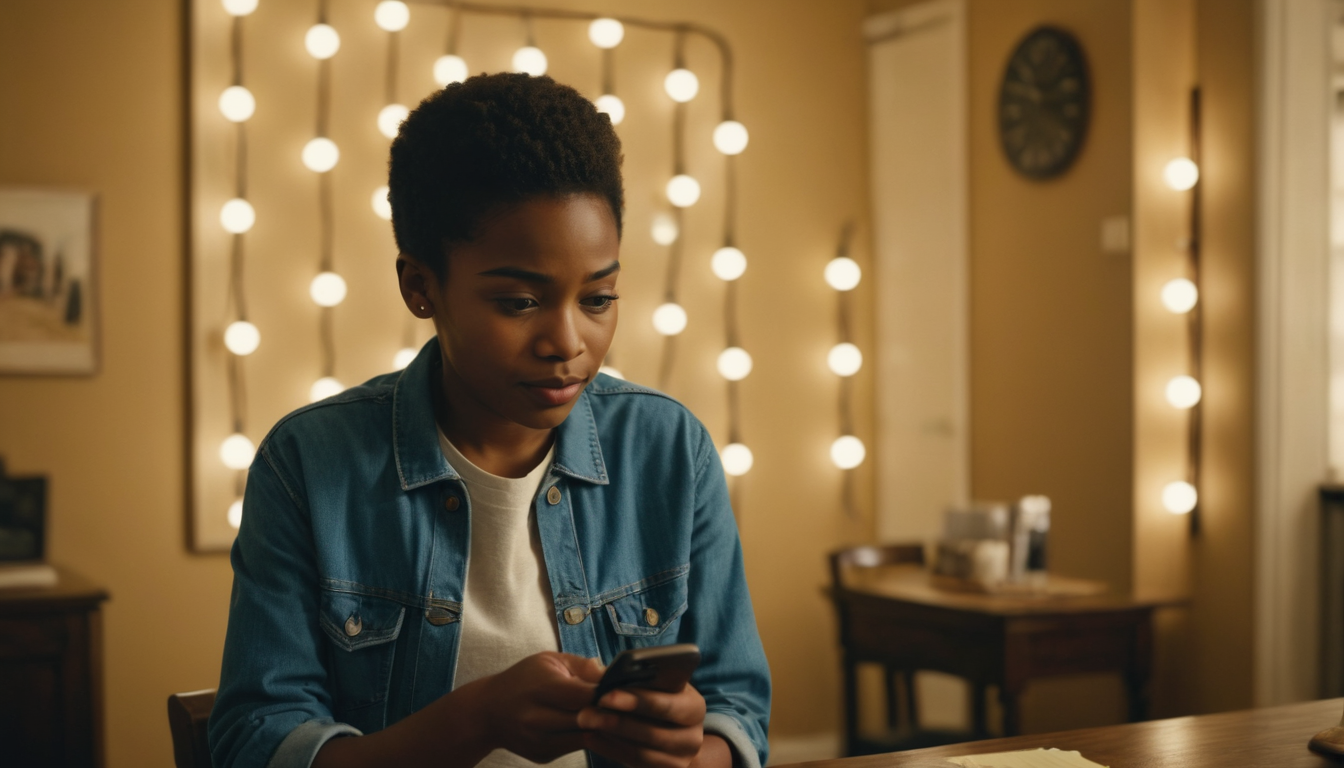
point(51, 674)
point(896, 617)
point(1258, 738)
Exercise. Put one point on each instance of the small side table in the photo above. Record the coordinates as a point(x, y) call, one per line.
point(51, 673)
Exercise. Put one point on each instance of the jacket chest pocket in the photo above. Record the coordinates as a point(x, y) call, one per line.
point(362, 630)
point(650, 616)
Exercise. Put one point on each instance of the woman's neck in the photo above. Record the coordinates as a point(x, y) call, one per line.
point(486, 439)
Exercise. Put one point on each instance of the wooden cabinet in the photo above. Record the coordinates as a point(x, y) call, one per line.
point(51, 697)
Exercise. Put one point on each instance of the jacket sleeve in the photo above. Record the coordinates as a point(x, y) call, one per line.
point(273, 706)
point(733, 675)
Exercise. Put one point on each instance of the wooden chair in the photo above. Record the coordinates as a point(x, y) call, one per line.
point(902, 733)
point(188, 714)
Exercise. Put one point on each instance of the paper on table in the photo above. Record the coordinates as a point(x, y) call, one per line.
point(1030, 758)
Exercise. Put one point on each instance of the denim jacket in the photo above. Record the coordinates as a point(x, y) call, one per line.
point(351, 560)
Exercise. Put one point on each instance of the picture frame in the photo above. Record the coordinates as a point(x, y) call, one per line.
point(48, 282)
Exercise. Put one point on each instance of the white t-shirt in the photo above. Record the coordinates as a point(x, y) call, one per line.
point(507, 610)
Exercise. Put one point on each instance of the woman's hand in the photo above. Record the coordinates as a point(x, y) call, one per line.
point(532, 708)
point(651, 729)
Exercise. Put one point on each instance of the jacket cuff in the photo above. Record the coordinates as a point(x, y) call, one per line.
point(726, 726)
point(302, 744)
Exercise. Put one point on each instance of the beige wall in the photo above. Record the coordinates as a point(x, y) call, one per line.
point(93, 95)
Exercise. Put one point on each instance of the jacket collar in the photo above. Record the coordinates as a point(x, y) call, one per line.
point(415, 438)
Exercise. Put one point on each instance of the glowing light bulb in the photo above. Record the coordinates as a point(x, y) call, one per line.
point(237, 104)
point(683, 191)
point(325, 387)
point(450, 69)
point(392, 15)
point(1184, 392)
point(737, 459)
point(235, 514)
point(404, 357)
point(728, 263)
point(242, 338)
point(381, 205)
point(843, 273)
point(1181, 174)
point(844, 359)
point(614, 373)
point(847, 452)
point(321, 154)
point(237, 216)
point(322, 41)
point(1180, 296)
point(529, 59)
point(237, 451)
point(606, 33)
point(327, 289)
point(239, 7)
point(1179, 497)
point(613, 106)
point(730, 137)
point(669, 319)
point(665, 229)
point(734, 363)
point(681, 85)
point(390, 118)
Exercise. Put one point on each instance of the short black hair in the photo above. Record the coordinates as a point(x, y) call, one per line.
point(489, 142)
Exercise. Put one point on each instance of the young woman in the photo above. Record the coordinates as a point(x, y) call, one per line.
point(434, 566)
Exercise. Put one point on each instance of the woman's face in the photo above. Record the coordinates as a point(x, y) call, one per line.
point(526, 311)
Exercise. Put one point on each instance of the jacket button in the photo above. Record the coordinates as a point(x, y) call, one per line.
point(451, 503)
point(353, 626)
point(574, 614)
point(553, 496)
point(651, 617)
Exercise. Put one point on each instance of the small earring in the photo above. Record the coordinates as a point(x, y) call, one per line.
point(422, 307)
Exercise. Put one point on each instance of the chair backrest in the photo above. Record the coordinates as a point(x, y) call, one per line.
point(188, 714)
point(873, 557)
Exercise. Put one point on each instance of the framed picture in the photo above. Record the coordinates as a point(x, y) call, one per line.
point(48, 296)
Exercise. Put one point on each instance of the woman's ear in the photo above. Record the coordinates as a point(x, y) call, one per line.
point(417, 284)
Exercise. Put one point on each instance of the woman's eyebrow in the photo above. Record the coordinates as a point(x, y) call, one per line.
point(615, 266)
point(527, 275)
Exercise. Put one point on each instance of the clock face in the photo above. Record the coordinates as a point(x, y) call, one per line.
point(1044, 103)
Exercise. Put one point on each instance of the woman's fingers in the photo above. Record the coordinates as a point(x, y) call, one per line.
point(685, 708)
point(677, 741)
point(632, 755)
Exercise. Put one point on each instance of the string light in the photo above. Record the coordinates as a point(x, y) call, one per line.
point(237, 104)
point(237, 216)
point(734, 363)
point(614, 373)
point(847, 452)
point(730, 137)
point(737, 459)
point(1179, 497)
point(390, 119)
point(606, 33)
point(327, 289)
point(321, 154)
point(322, 41)
point(239, 7)
point(843, 273)
point(392, 15)
point(531, 60)
point(1184, 392)
point(235, 514)
point(1180, 296)
point(404, 357)
point(683, 191)
point(665, 229)
point(325, 387)
point(612, 106)
point(681, 84)
point(844, 359)
point(1181, 174)
point(237, 451)
point(669, 319)
point(242, 338)
point(449, 69)
point(381, 205)
point(728, 263)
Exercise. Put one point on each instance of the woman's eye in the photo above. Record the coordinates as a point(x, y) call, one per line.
point(517, 305)
point(600, 302)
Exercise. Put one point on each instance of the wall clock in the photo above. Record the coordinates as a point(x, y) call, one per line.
point(1044, 103)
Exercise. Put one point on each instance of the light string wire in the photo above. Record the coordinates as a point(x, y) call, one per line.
point(326, 212)
point(674, 253)
point(845, 401)
point(1195, 320)
point(237, 296)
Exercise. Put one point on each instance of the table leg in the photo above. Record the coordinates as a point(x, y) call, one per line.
point(851, 704)
point(1012, 715)
point(1136, 686)
point(978, 706)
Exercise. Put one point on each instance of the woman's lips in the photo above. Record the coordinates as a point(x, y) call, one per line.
point(554, 395)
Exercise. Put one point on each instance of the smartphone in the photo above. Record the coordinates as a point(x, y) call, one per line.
point(661, 668)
